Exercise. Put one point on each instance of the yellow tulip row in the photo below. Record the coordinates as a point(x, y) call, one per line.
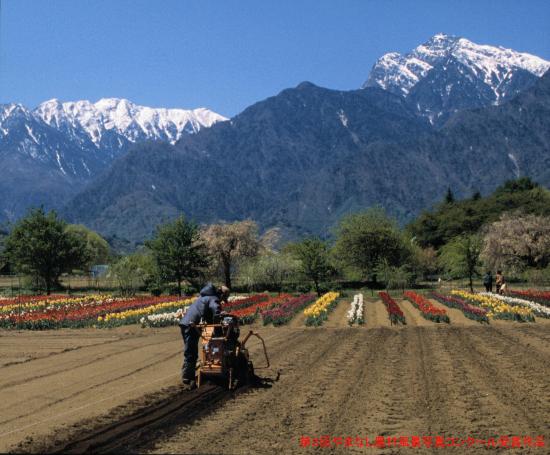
point(321, 304)
point(496, 307)
point(57, 302)
point(144, 311)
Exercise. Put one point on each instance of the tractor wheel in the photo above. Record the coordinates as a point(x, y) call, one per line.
point(242, 376)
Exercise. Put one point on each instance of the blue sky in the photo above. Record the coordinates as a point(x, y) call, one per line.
point(228, 54)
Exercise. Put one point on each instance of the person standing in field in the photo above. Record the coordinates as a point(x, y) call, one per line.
point(499, 281)
point(206, 308)
point(488, 281)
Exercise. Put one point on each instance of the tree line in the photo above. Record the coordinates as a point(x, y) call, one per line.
point(508, 230)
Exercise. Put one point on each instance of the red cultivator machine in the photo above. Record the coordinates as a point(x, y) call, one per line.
point(224, 359)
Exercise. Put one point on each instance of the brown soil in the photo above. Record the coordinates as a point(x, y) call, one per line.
point(413, 315)
point(422, 379)
point(298, 321)
point(339, 316)
point(455, 315)
point(376, 314)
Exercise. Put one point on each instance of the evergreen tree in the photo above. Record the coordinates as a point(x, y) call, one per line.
point(179, 253)
point(313, 255)
point(365, 239)
point(449, 196)
point(41, 246)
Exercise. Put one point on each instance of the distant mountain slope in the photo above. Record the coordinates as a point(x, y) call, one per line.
point(448, 73)
point(262, 164)
point(302, 159)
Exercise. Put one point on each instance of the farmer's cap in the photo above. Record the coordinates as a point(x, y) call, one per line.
point(225, 290)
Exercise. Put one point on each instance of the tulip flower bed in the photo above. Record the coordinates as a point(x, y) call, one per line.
point(244, 302)
point(538, 310)
point(355, 313)
point(73, 312)
point(163, 319)
point(249, 314)
point(542, 297)
point(133, 316)
point(28, 299)
point(284, 312)
point(428, 311)
point(394, 312)
point(33, 304)
point(470, 311)
point(318, 313)
point(496, 308)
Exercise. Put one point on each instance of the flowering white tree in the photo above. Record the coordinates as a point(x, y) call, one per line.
point(516, 242)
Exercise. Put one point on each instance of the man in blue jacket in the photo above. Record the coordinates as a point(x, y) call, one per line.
point(207, 307)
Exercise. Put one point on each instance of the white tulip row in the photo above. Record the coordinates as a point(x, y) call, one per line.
point(355, 313)
point(237, 297)
point(162, 319)
point(538, 309)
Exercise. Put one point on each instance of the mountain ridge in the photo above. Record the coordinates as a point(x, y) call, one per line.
point(48, 148)
point(302, 159)
point(450, 73)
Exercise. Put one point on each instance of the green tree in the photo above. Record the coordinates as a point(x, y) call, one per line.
point(395, 277)
point(449, 196)
point(3, 256)
point(364, 239)
point(461, 257)
point(179, 253)
point(314, 258)
point(518, 185)
point(476, 196)
point(133, 272)
point(99, 251)
point(40, 245)
point(446, 221)
point(270, 270)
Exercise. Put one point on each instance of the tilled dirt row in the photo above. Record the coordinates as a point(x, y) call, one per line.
point(458, 382)
point(66, 376)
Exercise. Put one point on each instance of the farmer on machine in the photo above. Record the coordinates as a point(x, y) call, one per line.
point(207, 308)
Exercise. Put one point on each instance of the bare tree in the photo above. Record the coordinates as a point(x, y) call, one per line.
point(516, 242)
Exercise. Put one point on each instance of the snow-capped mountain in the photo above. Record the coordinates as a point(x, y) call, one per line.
point(49, 153)
point(25, 136)
point(449, 73)
point(133, 122)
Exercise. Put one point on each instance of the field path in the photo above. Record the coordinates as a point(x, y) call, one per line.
point(455, 315)
point(298, 321)
point(413, 315)
point(376, 314)
point(338, 318)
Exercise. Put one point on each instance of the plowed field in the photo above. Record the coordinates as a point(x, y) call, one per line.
point(458, 380)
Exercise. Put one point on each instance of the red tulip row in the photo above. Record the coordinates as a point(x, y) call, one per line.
point(542, 297)
point(284, 312)
point(250, 313)
point(394, 312)
point(470, 311)
point(75, 316)
point(25, 299)
point(244, 303)
point(426, 308)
